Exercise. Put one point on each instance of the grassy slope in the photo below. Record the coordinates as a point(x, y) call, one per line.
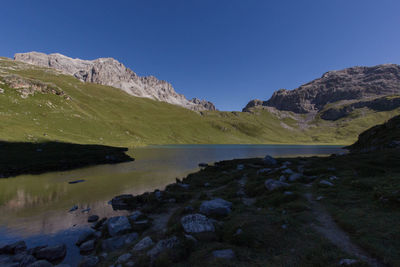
point(104, 115)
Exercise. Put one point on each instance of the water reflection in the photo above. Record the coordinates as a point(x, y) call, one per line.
point(39, 204)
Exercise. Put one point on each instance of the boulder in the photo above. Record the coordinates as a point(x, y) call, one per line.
point(347, 262)
point(41, 263)
point(121, 202)
point(89, 261)
point(25, 260)
point(87, 246)
point(197, 223)
point(99, 224)
point(162, 245)
point(118, 225)
point(136, 215)
point(13, 248)
point(287, 171)
point(325, 182)
point(294, 177)
point(52, 253)
point(118, 242)
point(227, 254)
point(216, 207)
point(93, 218)
point(272, 184)
point(269, 160)
point(143, 244)
point(86, 234)
point(124, 258)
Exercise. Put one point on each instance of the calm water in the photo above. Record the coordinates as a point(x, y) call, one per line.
point(35, 207)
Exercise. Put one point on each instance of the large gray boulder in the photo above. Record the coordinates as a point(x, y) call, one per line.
point(143, 244)
point(227, 254)
point(118, 225)
point(118, 242)
point(162, 245)
point(85, 235)
point(87, 246)
point(197, 223)
point(216, 207)
point(272, 184)
point(52, 253)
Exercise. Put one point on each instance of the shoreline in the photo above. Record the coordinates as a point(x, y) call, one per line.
point(200, 219)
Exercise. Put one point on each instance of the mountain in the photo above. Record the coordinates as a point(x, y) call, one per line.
point(43, 104)
point(338, 93)
point(379, 137)
point(108, 71)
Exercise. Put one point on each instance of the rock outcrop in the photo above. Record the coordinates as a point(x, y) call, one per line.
point(356, 83)
point(108, 71)
point(379, 137)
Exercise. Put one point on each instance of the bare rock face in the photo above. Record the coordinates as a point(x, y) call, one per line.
point(354, 83)
point(108, 71)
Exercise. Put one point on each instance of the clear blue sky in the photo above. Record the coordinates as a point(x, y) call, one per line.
point(226, 51)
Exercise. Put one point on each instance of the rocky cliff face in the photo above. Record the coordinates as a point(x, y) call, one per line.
point(108, 71)
point(354, 83)
point(379, 137)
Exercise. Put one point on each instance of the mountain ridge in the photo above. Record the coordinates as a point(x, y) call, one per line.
point(109, 71)
point(350, 84)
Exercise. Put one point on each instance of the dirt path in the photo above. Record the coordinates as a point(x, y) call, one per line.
point(329, 229)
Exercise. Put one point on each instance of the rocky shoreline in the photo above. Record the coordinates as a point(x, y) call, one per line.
point(224, 215)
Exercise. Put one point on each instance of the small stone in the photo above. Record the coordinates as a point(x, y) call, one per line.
point(272, 184)
point(158, 194)
point(216, 207)
point(188, 209)
point(172, 200)
point(136, 215)
point(162, 245)
point(87, 246)
point(207, 185)
point(348, 261)
point(240, 167)
point(202, 164)
point(294, 177)
point(89, 261)
point(191, 238)
point(26, 260)
point(333, 178)
point(269, 160)
point(319, 198)
point(130, 264)
point(287, 171)
point(264, 170)
point(282, 178)
point(197, 223)
point(74, 208)
point(14, 248)
point(143, 244)
point(86, 210)
point(124, 258)
point(325, 182)
point(86, 234)
point(41, 263)
point(52, 253)
point(284, 226)
point(239, 231)
point(288, 193)
point(118, 225)
point(184, 186)
point(93, 218)
point(227, 254)
point(118, 242)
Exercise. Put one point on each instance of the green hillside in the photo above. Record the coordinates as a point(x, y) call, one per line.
point(60, 107)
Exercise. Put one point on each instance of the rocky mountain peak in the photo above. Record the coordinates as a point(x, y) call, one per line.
point(355, 83)
point(111, 72)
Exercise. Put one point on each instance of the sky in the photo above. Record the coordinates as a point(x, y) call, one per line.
point(226, 51)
